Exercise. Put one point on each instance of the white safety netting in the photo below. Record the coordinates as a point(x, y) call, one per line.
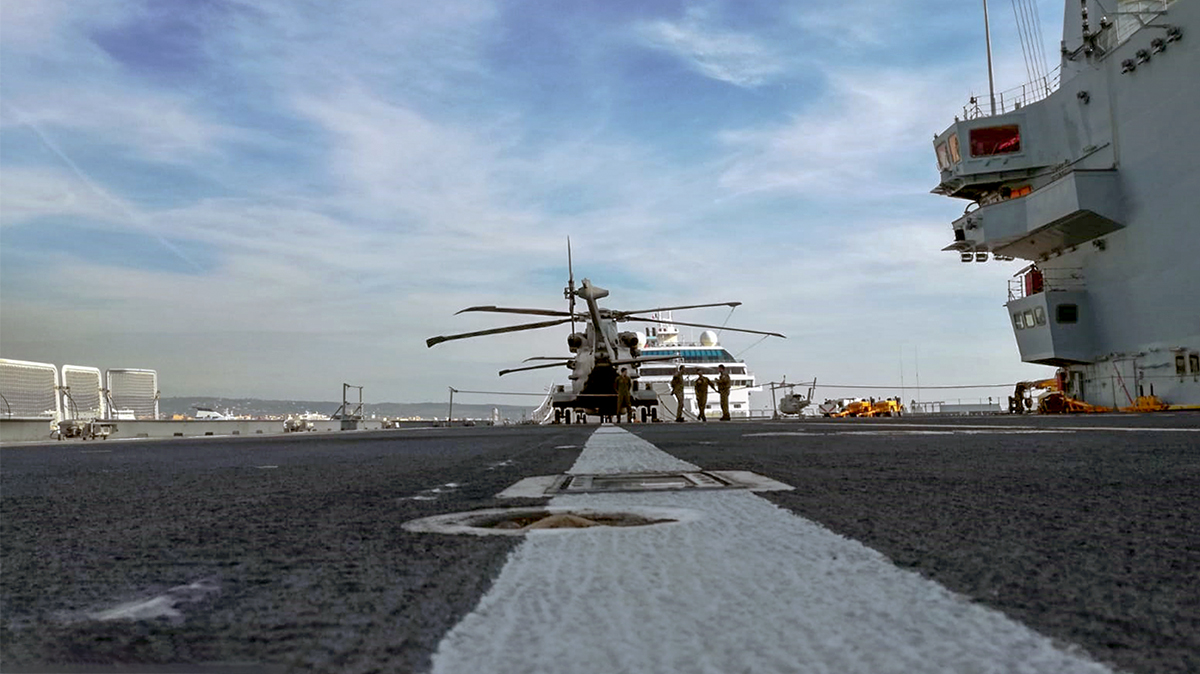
point(28, 389)
point(133, 391)
point(82, 393)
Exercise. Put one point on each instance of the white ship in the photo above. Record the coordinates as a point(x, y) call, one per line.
point(662, 339)
point(1092, 182)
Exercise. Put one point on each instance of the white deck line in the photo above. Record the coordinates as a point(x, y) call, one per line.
point(747, 587)
point(611, 450)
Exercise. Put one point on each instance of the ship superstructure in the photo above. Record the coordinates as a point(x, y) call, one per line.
point(1096, 187)
point(704, 355)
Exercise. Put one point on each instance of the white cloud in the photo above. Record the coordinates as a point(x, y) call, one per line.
point(851, 141)
point(153, 126)
point(729, 56)
point(55, 27)
point(32, 193)
point(850, 24)
point(310, 48)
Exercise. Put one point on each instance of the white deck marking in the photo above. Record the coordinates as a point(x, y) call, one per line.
point(747, 587)
point(612, 450)
point(163, 606)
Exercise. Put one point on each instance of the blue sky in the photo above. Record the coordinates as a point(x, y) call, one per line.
point(272, 198)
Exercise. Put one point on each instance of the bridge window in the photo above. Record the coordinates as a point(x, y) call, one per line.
point(1018, 322)
point(994, 140)
point(943, 157)
point(954, 155)
point(1039, 315)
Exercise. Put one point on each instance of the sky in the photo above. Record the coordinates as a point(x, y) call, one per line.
point(270, 199)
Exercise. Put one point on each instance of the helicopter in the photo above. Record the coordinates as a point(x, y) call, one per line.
point(791, 403)
point(598, 352)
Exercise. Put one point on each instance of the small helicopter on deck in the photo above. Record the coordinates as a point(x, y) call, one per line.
point(791, 403)
point(598, 352)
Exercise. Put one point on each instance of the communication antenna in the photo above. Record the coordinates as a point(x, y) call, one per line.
point(988, 38)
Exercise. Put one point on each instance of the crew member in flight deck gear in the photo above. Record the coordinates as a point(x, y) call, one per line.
point(677, 390)
point(624, 387)
point(702, 385)
point(723, 386)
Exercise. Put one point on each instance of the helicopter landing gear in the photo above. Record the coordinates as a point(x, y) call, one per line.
point(645, 414)
point(558, 416)
point(581, 417)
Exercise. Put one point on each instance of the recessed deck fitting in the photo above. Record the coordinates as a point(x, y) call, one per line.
point(586, 484)
point(541, 486)
point(519, 521)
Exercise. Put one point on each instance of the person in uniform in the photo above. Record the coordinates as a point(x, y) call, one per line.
point(702, 385)
point(723, 387)
point(624, 387)
point(677, 390)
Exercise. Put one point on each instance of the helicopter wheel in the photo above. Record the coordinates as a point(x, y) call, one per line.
point(653, 414)
point(567, 414)
point(558, 415)
point(581, 417)
point(645, 414)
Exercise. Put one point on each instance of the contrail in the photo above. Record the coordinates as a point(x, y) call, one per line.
point(133, 217)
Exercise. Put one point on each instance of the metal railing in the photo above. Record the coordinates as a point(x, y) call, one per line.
point(1015, 98)
point(1051, 280)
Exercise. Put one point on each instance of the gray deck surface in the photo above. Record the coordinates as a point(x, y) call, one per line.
point(289, 551)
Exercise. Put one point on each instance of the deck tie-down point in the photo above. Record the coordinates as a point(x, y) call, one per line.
point(518, 521)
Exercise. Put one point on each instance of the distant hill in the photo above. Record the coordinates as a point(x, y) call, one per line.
point(186, 405)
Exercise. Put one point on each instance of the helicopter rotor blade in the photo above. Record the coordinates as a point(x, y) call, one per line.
point(644, 359)
point(533, 367)
point(570, 285)
point(628, 315)
point(433, 341)
point(531, 358)
point(514, 310)
point(722, 327)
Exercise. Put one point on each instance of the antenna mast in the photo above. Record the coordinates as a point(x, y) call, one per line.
point(988, 37)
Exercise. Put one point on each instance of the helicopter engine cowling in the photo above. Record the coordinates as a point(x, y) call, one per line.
point(575, 341)
point(628, 340)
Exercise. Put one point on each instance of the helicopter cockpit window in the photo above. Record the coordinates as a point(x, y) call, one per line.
point(993, 140)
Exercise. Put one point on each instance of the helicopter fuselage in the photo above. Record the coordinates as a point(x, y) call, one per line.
point(599, 354)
